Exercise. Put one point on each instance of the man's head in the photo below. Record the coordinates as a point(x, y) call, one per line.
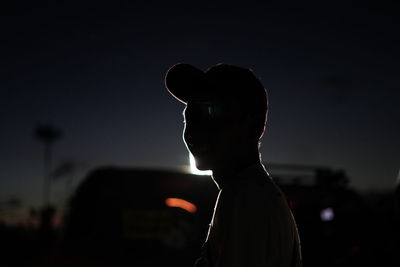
point(225, 114)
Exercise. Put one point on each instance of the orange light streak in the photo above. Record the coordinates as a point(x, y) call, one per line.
point(181, 203)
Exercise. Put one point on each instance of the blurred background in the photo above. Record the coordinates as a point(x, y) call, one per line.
point(93, 170)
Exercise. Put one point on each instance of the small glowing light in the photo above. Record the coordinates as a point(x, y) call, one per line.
point(193, 168)
point(327, 214)
point(181, 203)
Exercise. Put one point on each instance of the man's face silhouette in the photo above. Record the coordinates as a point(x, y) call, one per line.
point(210, 135)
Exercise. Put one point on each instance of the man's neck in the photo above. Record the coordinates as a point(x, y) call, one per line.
point(227, 172)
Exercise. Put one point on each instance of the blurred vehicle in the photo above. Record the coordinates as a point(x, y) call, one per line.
point(142, 217)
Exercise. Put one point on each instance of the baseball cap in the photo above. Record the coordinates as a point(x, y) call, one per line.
point(221, 84)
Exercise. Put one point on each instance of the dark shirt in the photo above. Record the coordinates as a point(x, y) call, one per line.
point(252, 225)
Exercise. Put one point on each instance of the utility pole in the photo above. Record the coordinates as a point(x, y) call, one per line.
point(47, 134)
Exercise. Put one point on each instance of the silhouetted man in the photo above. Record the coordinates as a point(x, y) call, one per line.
point(225, 115)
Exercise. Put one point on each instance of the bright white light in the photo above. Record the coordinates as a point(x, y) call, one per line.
point(327, 214)
point(193, 168)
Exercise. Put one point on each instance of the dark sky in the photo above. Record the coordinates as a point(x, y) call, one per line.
point(96, 72)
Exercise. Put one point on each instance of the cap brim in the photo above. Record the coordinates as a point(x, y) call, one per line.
point(183, 81)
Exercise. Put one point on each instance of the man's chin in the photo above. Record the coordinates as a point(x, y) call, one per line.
point(202, 166)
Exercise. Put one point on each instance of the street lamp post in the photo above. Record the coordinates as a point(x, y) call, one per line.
point(47, 134)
